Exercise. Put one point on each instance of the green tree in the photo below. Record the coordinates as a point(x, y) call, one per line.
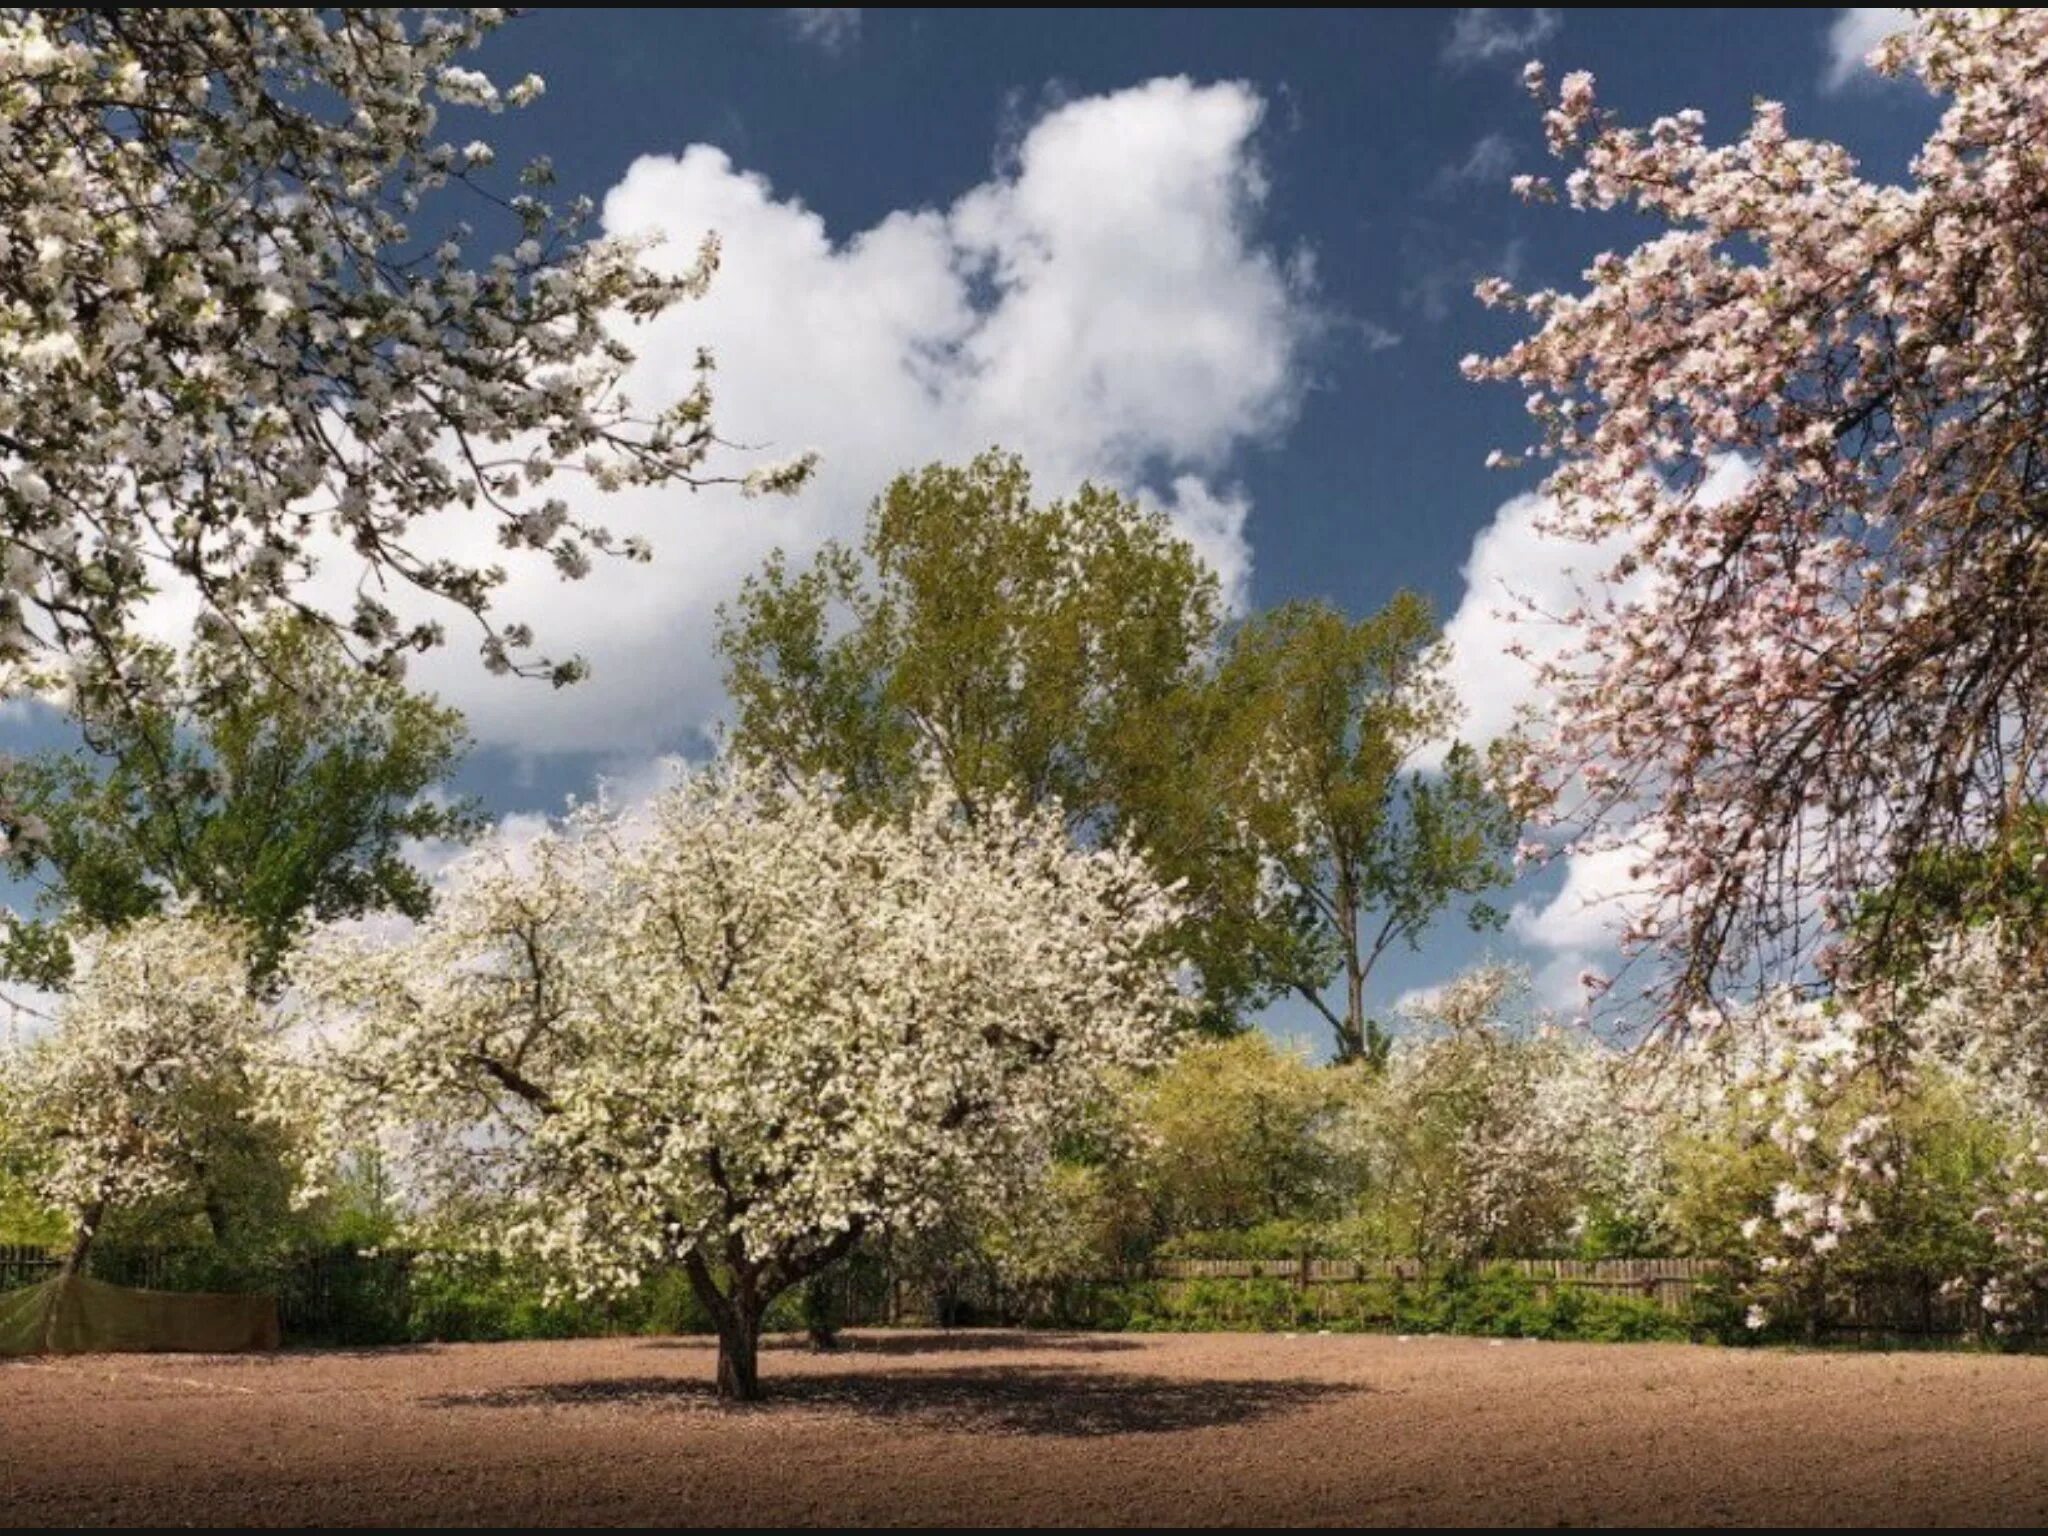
point(1234, 1134)
point(1056, 651)
point(1320, 725)
point(281, 786)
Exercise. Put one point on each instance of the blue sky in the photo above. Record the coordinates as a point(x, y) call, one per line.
point(1221, 258)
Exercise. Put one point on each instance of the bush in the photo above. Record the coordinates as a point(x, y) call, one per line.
point(1495, 1303)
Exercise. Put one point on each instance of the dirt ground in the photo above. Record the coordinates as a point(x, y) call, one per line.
point(985, 1428)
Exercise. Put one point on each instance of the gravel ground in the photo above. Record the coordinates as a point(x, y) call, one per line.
point(984, 1428)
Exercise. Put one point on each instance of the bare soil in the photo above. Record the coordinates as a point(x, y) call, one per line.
point(1009, 1429)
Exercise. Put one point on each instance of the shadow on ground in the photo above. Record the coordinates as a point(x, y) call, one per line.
point(964, 1342)
point(981, 1399)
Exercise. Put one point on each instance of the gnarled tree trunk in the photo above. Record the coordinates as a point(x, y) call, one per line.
point(737, 1317)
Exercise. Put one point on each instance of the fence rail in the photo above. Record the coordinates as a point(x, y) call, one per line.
point(1671, 1283)
point(342, 1296)
point(26, 1264)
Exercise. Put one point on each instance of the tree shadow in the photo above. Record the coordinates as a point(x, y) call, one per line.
point(895, 1342)
point(976, 1341)
point(981, 1399)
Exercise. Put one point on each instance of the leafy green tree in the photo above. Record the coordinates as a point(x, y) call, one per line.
point(1233, 1135)
point(1056, 651)
point(282, 785)
point(1322, 723)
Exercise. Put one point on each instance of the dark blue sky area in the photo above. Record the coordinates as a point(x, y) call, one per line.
point(1385, 145)
point(1380, 484)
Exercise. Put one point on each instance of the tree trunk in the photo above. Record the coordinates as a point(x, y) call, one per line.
point(81, 1241)
point(737, 1318)
point(739, 1356)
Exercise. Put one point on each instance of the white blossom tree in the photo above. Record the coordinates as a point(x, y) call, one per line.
point(1492, 1134)
point(1795, 690)
point(121, 1101)
point(232, 338)
point(741, 1033)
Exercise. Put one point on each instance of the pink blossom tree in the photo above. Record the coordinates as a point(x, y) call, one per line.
point(1794, 690)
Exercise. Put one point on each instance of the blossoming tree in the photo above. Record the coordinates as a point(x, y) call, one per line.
point(1795, 689)
point(742, 1033)
point(230, 339)
point(121, 1101)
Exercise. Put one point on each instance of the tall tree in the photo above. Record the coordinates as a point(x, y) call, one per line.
point(1051, 651)
point(745, 1036)
point(1323, 723)
point(270, 783)
point(1796, 689)
point(234, 333)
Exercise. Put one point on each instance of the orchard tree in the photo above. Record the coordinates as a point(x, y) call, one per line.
point(121, 1102)
point(1795, 691)
point(268, 780)
point(1492, 1134)
point(234, 338)
point(1050, 651)
point(1232, 1136)
point(1361, 849)
point(743, 1033)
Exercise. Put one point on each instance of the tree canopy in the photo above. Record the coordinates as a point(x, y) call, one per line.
point(237, 340)
point(742, 1033)
point(1324, 729)
point(1790, 691)
point(1054, 651)
point(271, 782)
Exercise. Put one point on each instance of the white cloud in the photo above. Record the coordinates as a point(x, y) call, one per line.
point(1485, 34)
point(832, 28)
point(1856, 30)
point(1487, 166)
point(1519, 584)
point(1519, 580)
point(1589, 911)
point(1103, 305)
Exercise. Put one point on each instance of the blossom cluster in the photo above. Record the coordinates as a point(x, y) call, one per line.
point(742, 1029)
point(1521, 1135)
point(158, 1037)
point(1794, 688)
point(231, 341)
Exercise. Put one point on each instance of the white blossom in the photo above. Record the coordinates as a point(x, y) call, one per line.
point(743, 1032)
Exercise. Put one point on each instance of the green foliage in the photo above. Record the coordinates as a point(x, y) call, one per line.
point(1491, 1303)
point(283, 786)
point(1052, 651)
point(1921, 1230)
point(1281, 1239)
point(24, 1221)
point(1026, 647)
point(1231, 1136)
point(1320, 724)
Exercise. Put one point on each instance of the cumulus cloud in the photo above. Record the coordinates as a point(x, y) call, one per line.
point(830, 28)
point(1519, 583)
point(1104, 304)
point(1589, 910)
point(1855, 31)
point(1486, 34)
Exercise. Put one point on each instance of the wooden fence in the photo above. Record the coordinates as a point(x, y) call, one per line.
point(1671, 1283)
point(21, 1264)
point(328, 1295)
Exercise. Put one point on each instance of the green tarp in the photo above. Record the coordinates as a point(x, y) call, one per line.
point(77, 1316)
